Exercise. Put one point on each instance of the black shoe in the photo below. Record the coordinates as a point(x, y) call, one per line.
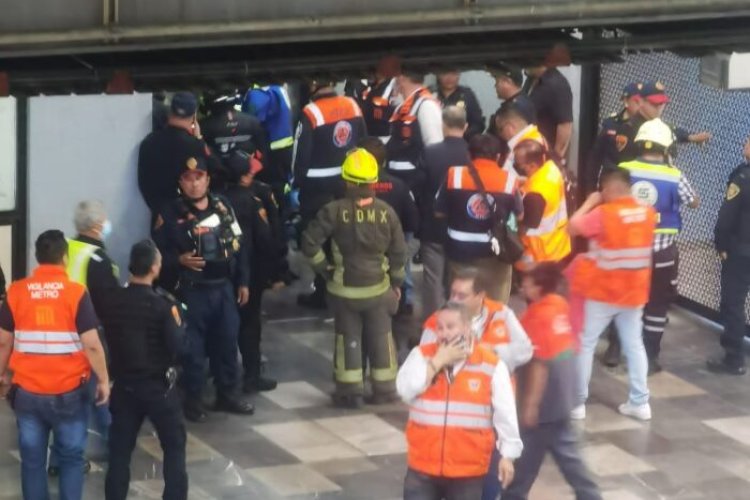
point(195, 411)
point(382, 399)
point(312, 300)
point(611, 356)
point(721, 366)
point(654, 367)
point(234, 404)
point(405, 310)
point(259, 384)
point(349, 402)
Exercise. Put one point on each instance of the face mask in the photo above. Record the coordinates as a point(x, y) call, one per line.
point(106, 229)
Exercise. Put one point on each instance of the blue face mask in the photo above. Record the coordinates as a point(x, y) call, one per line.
point(106, 229)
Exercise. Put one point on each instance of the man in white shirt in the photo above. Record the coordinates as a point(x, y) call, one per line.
point(459, 395)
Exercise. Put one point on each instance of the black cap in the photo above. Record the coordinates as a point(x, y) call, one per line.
point(184, 105)
point(501, 69)
point(655, 92)
point(631, 89)
point(242, 163)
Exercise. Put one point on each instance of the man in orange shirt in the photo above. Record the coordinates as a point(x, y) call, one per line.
point(48, 333)
point(621, 234)
point(460, 398)
point(546, 389)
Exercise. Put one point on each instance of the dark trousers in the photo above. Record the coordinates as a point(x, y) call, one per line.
point(212, 327)
point(250, 333)
point(559, 439)
point(131, 403)
point(418, 486)
point(735, 283)
point(663, 293)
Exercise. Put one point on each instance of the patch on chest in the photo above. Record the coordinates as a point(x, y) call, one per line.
point(475, 384)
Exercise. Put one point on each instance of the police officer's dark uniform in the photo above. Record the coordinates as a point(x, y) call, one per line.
point(329, 127)
point(229, 132)
point(163, 154)
point(145, 332)
point(2, 285)
point(212, 318)
point(377, 107)
point(369, 257)
point(464, 97)
point(520, 101)
point(259, 219)
point(732, 240)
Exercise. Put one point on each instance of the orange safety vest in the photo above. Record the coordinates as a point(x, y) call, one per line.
point(450, 431)
point(48, 356)
point(550, 242)
point(495, 331)
point(622, 254)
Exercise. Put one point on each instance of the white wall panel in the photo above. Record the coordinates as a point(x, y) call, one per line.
point(86, 147)
point(7, 153)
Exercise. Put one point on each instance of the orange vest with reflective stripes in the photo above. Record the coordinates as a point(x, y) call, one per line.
point(495, 331)
point(622, 254)
point(550, 242)
point(48, 356)
point(450, 431)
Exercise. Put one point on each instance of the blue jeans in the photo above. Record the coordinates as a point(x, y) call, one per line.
point(408, 286)
point(492, 487)
point(99, 420)
point(65, 415)
point(597, 315)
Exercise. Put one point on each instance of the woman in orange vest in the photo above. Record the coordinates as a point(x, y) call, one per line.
point(546, 389)
point(459, 394)
point(621, 235)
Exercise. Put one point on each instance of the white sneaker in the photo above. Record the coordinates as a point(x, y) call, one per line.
point(640, 412)
point(578, 413)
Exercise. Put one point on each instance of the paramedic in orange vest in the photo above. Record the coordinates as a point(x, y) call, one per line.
point(48, 333)
point(621, 234)
point(544, 230)
point(493, 323)
point(330, 126)
point(459, 395)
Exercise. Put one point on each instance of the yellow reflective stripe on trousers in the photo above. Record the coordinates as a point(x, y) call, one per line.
point(359, 292)
point(282, 143)
point(387, 374)
point(341, 374)
point(318, 258)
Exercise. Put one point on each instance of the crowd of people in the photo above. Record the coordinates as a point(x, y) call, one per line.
point(371, 172)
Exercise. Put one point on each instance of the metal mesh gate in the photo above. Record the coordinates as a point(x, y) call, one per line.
point(696, 107)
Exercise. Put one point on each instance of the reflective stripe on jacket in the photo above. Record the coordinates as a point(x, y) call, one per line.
point(450, 432)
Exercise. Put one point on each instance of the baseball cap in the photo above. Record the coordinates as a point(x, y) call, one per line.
point(508, 71)
point(184, 105)
point(242, 163)
point(194, 164)
point(631, 89)
point(654, 92)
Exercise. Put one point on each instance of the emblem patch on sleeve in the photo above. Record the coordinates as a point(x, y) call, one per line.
point(732, 191)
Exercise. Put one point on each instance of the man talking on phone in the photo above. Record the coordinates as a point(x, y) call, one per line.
point(459, 395)
point(163, 153)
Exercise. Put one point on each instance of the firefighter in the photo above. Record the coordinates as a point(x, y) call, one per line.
point(330, 126)
point(363, 280)
point(659, 185)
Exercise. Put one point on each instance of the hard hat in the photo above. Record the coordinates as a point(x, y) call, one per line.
point(360, 167)
point(655, 131)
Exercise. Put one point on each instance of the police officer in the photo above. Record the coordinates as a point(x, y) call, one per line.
point(732, 240)
point(200, 238)
point(450, 93)
point(229, 132)
point(363, 282)
point(606, 150)
point(163, 153)
point(258, 216)
point(659, 185)
point(509, 88)
point(145, 332)
point(330, 126)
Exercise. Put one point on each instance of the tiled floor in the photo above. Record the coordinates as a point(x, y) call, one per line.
point(298, 447)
